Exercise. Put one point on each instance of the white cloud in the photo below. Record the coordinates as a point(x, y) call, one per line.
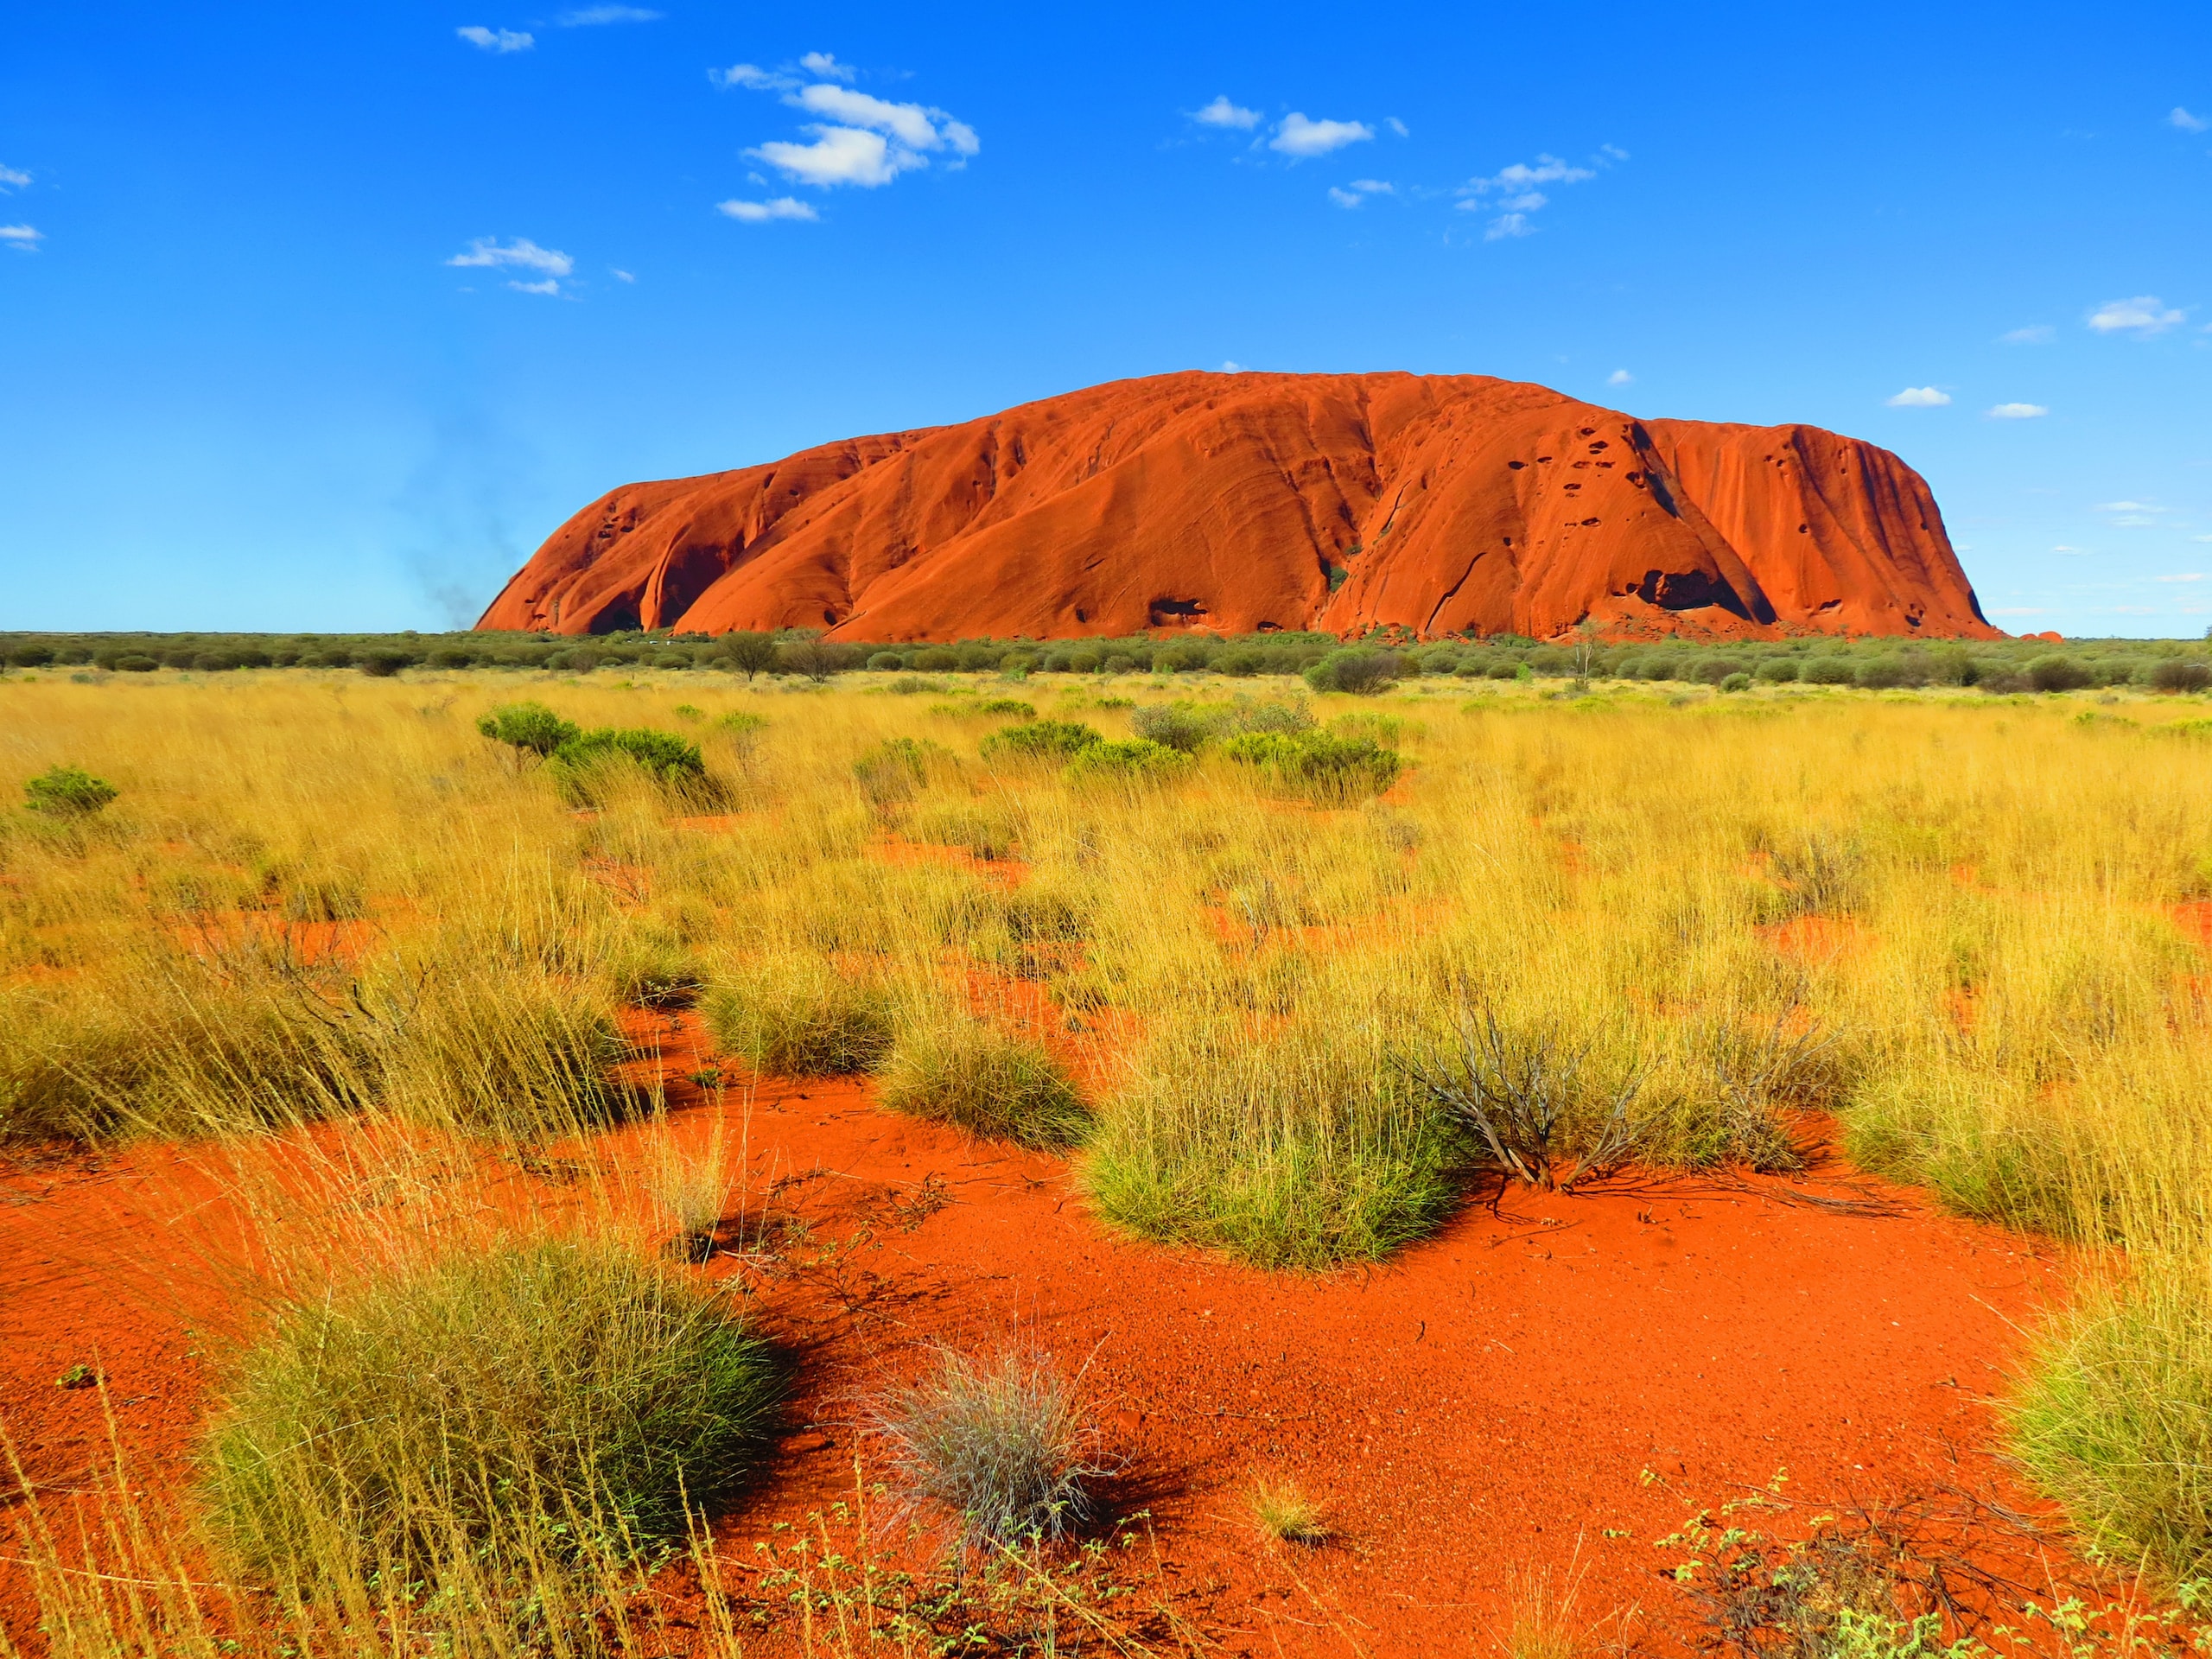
point(1300, 137)
point(2188, 123)
point(13, 179)
point(827, 67)
point(1514, 190)
point(2201, 538)
point(751, 76)
point(2186, 575)
point(1345, 198)
point(759, 212)
point(620, 275)
point(2127, 507)
point(865, 141)
point(1222, 113)
point(486, 253)
point(496, 40)
point(2062, 547)
point(1619, 377)
point(2041, 333)
point(1920, 397)
point(840, 156)
point(2017, 610)
point(1397, 126)
point(22, 237)
point(592, 16)
point(2017, 412)
point(1359, 190)
point(1231, 366)
point(2143, 315)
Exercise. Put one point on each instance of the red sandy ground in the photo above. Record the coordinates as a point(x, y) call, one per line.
point(1484, 1403)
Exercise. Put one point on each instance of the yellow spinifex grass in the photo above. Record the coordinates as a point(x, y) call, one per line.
point(1947, 920)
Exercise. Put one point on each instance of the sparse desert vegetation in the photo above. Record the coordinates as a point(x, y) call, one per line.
point(411, 970)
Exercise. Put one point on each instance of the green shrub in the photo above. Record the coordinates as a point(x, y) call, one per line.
point(1013, 706)
point(584, 765)
point(381, 661)
point(1129, 760)
point(2174, 675)
point(1319, 764)
point(2059, 673)
point(1357, 669)
point(1737, 682)
point(798, 1017)
point(136, 665)
point(1041, 740)
point(1777, 670)
point(458, 1425)
point(1828, 671)
point(960, 1071)
point(68, 792)
point(530, 727)
point(1182, 726)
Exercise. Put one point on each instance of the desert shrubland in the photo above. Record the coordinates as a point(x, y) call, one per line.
point(1290, 971)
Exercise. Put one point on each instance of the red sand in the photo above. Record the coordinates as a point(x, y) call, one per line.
point(1223, 503)
point(1485, 1403)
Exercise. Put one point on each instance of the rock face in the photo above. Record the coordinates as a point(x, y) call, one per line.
point(1237, 502)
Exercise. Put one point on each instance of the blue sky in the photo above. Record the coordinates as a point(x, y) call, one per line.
point(322, 317)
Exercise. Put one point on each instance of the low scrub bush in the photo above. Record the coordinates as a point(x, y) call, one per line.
point(798, 1017)
point(1359, 670)
point(458, 1424)
point(1040, 739)
point(68, 792)
point(587, 766)
point(953, 1070)
point(1128, 761)
point(2174, 675)
point(531, 727)
point(1318, 764)
point(1001, 1447)
point(896, 770)
point(1283, 1510)
point(2059, 673)
point(1828, 671)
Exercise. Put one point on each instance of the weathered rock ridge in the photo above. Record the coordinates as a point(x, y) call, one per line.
point(1236, 503)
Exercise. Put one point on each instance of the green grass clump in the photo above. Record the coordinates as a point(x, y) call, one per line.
point(1129, 760)
point(473, 1418)
point(529, 726)
point(1318, 764)
point(67, 791)
point(508, 1050)
point(798, 1017)
point(2113, 1417)
point(584, 765)
point(1305, 1151)
point(1041, 740)
point(959, 1071)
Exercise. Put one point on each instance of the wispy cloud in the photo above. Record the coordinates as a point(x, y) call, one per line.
point(593, 16)
point(1920, 397)
point(2127, 507)
point(497, 40)
point(24, 238)
point(1302, 139)
point(761, 212)
point(2040, 334)
point(1619, 377)
point(13, 179)
point(1358, 190)
point(2185, 575)
point(2186, 121)
point(1222, 113)
point(863, 140)
point(1514, 193)
point(2062, 547)
point(2018, 412)
point(1397, 126)
point(487, 253)
point(1230, 365)
point(2143, 315)
point(620, 275)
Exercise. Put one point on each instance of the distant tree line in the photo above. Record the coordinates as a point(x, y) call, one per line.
point(1993, 665)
